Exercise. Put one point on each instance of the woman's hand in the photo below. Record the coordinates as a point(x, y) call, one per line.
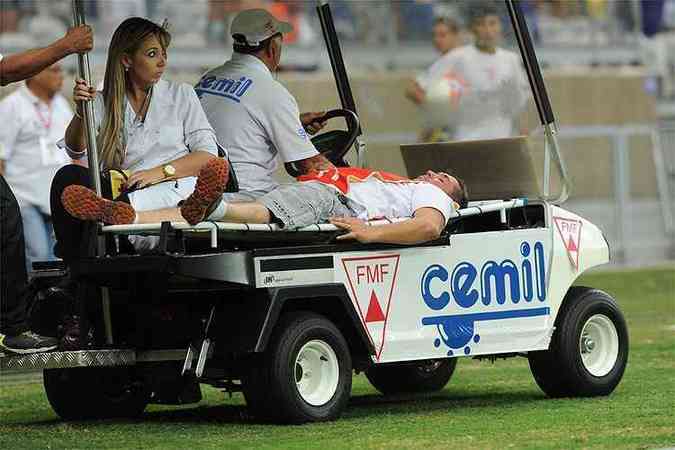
point(144, 178)
point(82, 92)
point(356, 229)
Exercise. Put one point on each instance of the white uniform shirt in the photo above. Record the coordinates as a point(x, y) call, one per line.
point(493, 95)
point(255, 118)
point(174, 125)
point(28, 135)
point(378, 199)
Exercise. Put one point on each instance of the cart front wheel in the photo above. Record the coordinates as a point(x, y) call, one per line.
point(589, 348)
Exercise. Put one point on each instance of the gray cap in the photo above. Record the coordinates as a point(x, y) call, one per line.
point(256, 25)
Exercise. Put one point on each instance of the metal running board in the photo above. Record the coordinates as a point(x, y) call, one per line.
point(86, 358)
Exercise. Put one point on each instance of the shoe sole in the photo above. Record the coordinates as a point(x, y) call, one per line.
point(83, 203)
point(17, 351)
point(210, 186)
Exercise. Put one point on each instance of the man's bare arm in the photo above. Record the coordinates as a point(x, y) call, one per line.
point(426, 225)
point(304, 166)
point(24, 65)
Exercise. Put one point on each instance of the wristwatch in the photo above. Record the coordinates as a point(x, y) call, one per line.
point(169, 171)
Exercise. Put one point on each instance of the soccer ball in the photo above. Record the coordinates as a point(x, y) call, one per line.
point(443, 100)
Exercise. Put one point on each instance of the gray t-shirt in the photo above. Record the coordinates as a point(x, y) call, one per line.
point(256, 119)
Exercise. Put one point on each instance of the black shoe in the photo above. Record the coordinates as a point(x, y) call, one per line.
point(69, 334)
point(26, 343)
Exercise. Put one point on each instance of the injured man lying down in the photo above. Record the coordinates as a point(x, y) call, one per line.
point(345, 197)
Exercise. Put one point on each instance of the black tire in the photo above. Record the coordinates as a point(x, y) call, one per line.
point(421, 376)
point(270, 385)
point(560, 371)
point(94, 393)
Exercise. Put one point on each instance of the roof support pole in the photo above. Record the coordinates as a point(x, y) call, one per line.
point(92, 157)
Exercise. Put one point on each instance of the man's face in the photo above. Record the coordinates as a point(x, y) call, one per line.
point(444, 39)
point(447, 183)
point(487, 31)
point(50, 79)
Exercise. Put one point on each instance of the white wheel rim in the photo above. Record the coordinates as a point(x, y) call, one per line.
point(599, 345)
point(316, 372)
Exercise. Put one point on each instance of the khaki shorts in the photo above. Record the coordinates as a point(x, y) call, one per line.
point(297, 205)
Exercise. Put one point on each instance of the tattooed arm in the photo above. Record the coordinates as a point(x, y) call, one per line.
point(304, 166)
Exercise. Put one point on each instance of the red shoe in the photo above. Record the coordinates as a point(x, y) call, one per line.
point(83, 203)
point(209, 190)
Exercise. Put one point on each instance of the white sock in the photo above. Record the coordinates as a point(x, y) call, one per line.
point(219, 212)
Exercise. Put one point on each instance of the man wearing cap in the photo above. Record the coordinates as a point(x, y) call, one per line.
point(255, 117)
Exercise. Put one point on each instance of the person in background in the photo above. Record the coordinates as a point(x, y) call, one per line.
point(445, 37)
point(35, 117)
point(15, 334)
point(488, 82)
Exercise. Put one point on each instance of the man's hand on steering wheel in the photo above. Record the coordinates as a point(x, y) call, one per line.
point(310, 123)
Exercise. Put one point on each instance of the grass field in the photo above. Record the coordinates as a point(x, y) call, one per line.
point(485, 405)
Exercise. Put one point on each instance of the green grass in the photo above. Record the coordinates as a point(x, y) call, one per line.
point(484, 406)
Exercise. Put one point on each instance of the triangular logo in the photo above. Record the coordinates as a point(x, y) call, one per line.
point(570, 233)
point(371, 282)
point(571, 246)
point(374, 313)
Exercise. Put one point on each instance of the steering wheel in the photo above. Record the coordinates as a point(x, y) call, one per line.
point(336, 143)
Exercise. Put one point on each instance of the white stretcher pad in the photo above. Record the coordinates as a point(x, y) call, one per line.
point(214, 228)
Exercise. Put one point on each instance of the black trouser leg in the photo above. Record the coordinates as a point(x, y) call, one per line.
point(75, 238)
point(13, 277)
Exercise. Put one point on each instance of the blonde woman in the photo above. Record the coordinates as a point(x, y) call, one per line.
point(154, 128)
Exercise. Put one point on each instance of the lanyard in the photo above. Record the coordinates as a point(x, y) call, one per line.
point(46, 121)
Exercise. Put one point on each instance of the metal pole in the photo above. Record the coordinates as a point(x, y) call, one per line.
point(550, 133)
point(85, 74)
point(621, 193)
point(92, 157)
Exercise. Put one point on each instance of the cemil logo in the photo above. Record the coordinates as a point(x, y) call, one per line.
point(498, 286)
point(223, 87)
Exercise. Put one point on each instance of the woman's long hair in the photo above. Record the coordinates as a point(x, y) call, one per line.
point(127, 39)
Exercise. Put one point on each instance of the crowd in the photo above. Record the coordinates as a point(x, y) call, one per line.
point(206, 22)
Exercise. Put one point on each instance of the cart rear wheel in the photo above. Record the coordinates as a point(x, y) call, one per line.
point(305, 375)
point(421, 376)
point(94, 393)
point(589, 348)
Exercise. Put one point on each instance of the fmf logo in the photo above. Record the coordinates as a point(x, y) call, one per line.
point(497, 285)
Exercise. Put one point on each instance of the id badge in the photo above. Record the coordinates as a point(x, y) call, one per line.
point(49, 152)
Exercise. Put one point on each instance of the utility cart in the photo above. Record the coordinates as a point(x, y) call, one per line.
point(288, 316)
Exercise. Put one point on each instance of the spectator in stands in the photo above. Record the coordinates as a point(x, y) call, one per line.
point(35, 117)
point(445, 38)
point(15, 334)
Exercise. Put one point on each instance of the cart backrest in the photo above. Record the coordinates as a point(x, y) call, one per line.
point(492, 169)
